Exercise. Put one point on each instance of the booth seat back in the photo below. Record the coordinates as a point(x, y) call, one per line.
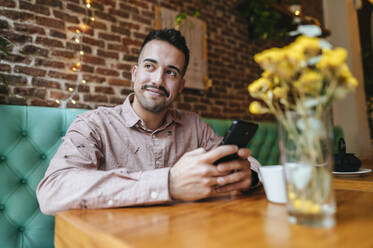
point(30, 136)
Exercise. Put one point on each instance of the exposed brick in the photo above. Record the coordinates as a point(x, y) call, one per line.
point(116, 100)
point(95, 98)
point(139, 35)
point(52, 3)
point(129, 8)
point(87, 68)
point(140, 4)
point(63, 53)
point(8, 3)
point(108, 17)
point(109, 37)
point(61, 75)
point(61, 95)
point(184, 106)
point(34, 50)
point(129, 25)
point(148, 14)
point(5, 67)
point(102, 53)
point(35, 92)
point(93, 78)
point(48, 42)
point(16, 38)
point(14, 58)
point(119, 82)
point(34, 7)
point(135, 50)
point(4, 24)
point(107, 72)
point(81, 88)
point(93, 42)
point(93, 60)
point(112, 3)
point(130, 58)
point(126, 67)
point(30, 71)
point(45, 83)
point(118, 47)
point(97, 5)
point(120, 30)
point(3, 90)
point(141, 19)
point(126, 74)
point(16, 15)
point(66, 17)
point(78, 47)
point(126, 92)
point(50, 22)
point(78, 105)
point(128, 41)
point(49, 63)
point(119, 13)
point(43, 102)
point(28, 28)
point(99, 25)
point(105, 90)
point(17, 100)
point(76, 8)
point(57, 34)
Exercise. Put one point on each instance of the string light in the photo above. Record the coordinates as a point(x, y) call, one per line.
point(76, 67)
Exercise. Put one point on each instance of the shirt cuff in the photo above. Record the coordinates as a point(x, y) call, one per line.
point(156, 186)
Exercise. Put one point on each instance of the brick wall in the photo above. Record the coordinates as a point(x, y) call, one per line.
point(42, 32)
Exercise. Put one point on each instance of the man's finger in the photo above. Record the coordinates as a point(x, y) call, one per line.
point(219, 152)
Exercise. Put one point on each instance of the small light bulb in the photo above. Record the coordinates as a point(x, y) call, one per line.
point(88, 5)
point(58, 101)
point(83, 81)
point(81, 53)
point(73, 101)
point(73, 69)
point(297, 13)
point(77, 31)
point(92, 19)
point(77, 40)
point(71, 89)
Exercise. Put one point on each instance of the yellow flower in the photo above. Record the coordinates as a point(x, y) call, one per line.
point(352, 83)
point(257, 108)
point(308, 46)
point(310, 82)
point(261, 85)
point(279, 92)
point(332, 59)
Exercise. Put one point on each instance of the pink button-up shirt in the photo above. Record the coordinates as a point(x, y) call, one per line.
point(109, 158)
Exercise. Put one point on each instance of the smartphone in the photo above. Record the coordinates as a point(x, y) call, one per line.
point(239, 133)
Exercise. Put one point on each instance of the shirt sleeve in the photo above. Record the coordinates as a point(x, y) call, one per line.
point(74, 178)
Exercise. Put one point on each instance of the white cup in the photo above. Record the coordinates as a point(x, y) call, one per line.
point(273, 179)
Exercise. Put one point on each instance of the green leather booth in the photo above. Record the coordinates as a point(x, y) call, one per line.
point(29, 137)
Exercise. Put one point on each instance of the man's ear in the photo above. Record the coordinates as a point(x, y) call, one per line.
point(133, 73)
point(182, 85)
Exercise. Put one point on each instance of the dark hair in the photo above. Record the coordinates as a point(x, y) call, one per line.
point(172, 36)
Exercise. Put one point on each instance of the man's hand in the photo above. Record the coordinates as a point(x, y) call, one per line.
point(195, 177)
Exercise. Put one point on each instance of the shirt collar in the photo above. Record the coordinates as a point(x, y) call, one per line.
point(131, 118)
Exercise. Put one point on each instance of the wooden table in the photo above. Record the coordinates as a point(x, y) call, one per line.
point(240, 221)
point(362, 182)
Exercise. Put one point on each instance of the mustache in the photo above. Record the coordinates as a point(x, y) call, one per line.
point(145, 86)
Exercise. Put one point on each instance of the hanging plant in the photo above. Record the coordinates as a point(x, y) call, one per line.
point(265, 22)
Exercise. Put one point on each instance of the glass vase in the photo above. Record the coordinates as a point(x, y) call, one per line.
point(306, 152)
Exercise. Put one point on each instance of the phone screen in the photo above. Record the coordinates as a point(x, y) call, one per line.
point(240, 133)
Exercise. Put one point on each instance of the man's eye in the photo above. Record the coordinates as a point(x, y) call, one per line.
point(149, 66)
point(172, 73)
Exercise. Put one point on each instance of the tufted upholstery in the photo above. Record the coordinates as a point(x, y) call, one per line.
point(29, 137)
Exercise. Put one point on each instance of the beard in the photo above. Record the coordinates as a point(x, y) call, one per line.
point(151, 104)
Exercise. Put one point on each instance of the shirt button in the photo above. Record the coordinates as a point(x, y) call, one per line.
point(110, 203)
point(154, 195)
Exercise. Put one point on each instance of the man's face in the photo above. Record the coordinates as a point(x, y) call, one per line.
point(158, 76)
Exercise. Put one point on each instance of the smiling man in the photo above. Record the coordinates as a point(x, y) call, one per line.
point(143, 151)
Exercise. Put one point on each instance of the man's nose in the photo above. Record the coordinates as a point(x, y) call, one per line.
point(157, 77)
